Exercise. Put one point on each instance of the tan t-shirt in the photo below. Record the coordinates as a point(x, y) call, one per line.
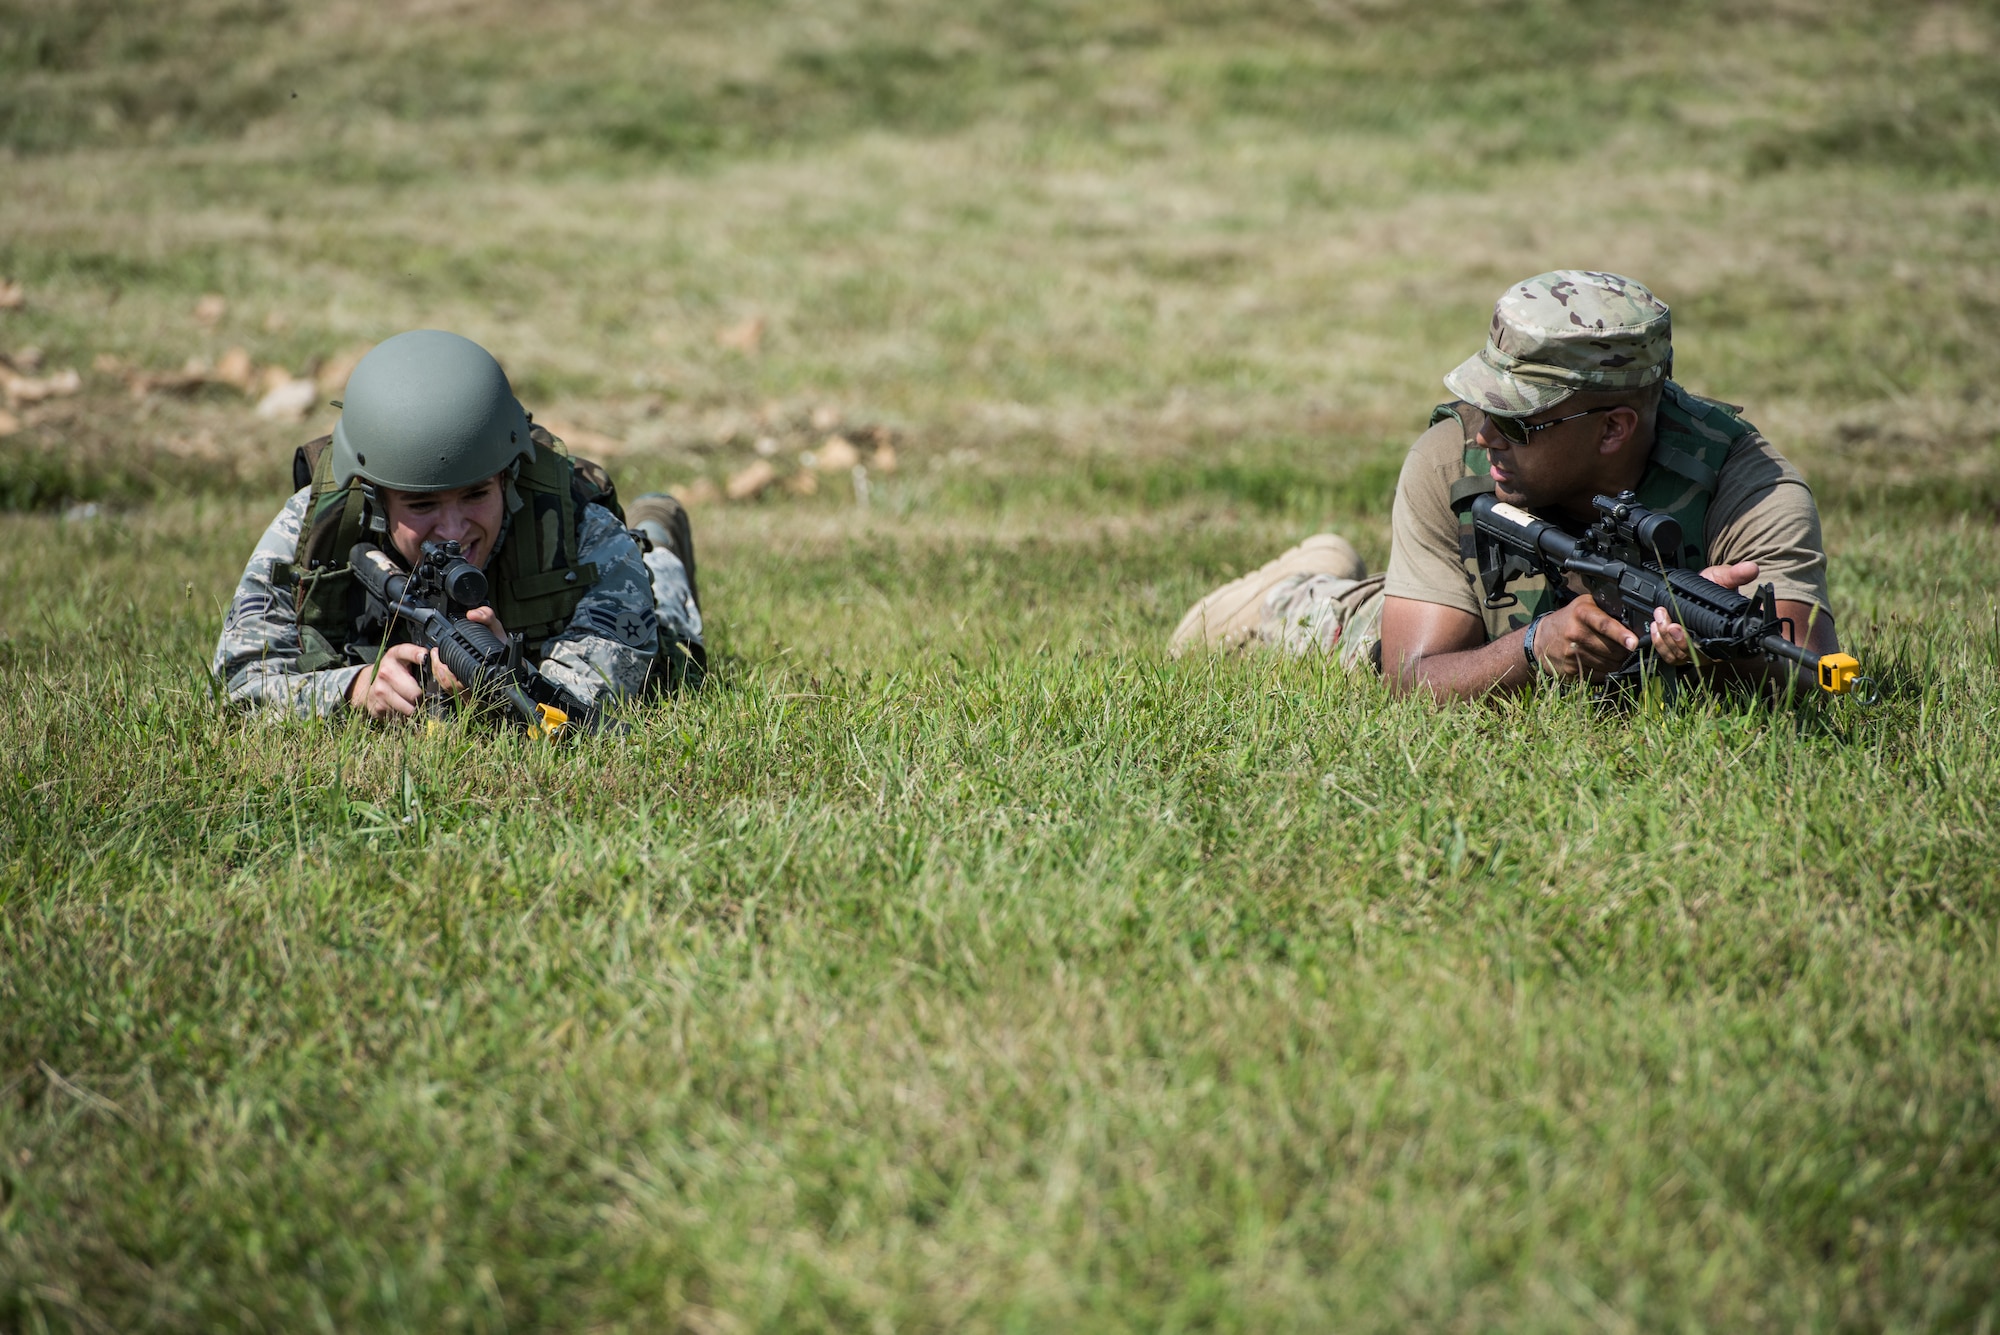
point(1762, 511)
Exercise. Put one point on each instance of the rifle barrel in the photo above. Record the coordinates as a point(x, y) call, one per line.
point(1835, 673)
point(1779, 647)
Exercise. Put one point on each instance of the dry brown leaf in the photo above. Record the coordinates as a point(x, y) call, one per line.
point(803, 484)
point(701, 491)
point(28, 360)
point(745, 336)
point(885, 458)
point(12, 296)
point(271, 377)
point(165, 382)
point(333, 375)
point(9, 423)
point(22, 389)
point(289, 402)
point(236, 369)
point(211, 308)
point(825, 417)
point(752, 482)
point(836, 456)
point(276, 322)
point(105, 363)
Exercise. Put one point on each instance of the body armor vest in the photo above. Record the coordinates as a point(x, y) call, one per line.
point(1692, 436)
point(534, 577)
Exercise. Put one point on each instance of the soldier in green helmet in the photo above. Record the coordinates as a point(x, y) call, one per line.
point(1571, 398)
point(432, 445)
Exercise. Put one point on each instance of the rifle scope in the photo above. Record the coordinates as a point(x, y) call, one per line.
point(464, 583)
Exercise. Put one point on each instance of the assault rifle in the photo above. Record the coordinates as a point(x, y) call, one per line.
point(1629, 561)
point(433, 600)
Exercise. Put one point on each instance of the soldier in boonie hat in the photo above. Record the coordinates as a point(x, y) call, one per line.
point(1570, 398)
point(1557, 333)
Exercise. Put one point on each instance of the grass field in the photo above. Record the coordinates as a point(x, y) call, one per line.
point(955, 960)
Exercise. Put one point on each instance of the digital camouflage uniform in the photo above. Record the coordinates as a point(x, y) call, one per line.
point(605, 654)
point(673, 593)
point(1551, 336)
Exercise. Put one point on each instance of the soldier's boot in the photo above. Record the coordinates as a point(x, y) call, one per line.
point(1229, 617)
point(669, 540)
point(664, 521)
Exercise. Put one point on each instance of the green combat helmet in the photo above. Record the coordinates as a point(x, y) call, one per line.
point(428, 411)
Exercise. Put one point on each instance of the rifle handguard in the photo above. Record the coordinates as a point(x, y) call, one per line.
point(475, 655)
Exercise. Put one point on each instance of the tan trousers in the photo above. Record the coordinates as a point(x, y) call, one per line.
point(1316, 598)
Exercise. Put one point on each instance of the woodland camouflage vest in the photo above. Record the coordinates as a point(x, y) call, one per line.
point(1692, 437)
point(535, 578)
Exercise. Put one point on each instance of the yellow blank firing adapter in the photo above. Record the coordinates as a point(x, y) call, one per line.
point(553, 719)
point(1838, 673)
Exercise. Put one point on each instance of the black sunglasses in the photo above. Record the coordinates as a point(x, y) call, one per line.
point(1515, 431)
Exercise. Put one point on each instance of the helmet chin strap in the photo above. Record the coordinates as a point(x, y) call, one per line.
point(508, 474)
point(374, 514)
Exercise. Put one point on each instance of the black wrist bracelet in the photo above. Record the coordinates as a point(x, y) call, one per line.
point(1528, 645)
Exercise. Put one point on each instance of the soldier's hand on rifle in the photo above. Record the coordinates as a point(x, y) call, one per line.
point(486, 617)
point(390, 689)
point(1670, 640)
point(1583, 640)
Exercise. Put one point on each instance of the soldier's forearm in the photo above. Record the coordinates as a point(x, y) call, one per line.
point(596, 670)
point(264, 687)
point(1464, 674)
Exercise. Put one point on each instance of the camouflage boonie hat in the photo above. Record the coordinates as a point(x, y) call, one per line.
point(1560, 332)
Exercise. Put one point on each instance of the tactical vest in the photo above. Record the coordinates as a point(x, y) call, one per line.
point(534, 576)
point(1692, 438)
